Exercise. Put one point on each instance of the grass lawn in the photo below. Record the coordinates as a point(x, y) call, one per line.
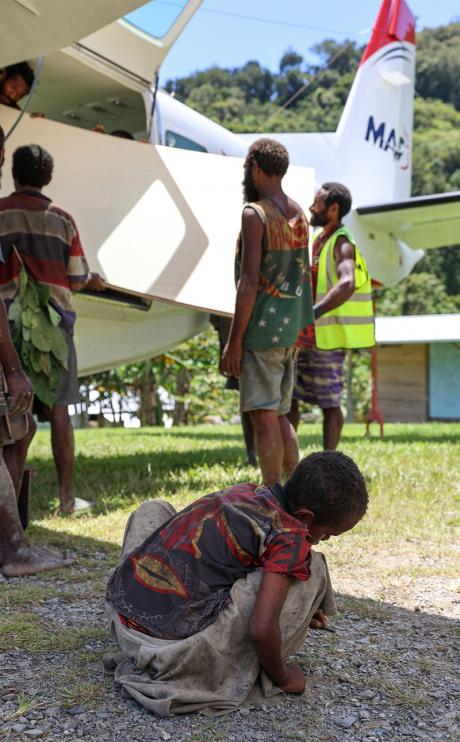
point(413, 476)
point(404, 554)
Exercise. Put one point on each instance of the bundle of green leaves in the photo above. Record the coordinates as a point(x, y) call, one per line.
point(39, 340)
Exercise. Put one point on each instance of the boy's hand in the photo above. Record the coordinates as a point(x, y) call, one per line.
point(296, 680)
point(319, 620)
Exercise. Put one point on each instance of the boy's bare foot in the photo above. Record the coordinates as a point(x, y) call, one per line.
point(30, 561)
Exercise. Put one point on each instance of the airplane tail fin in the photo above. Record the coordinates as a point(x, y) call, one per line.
point(375, 131)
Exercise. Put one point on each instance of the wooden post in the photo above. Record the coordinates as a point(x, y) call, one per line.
point(374, 415)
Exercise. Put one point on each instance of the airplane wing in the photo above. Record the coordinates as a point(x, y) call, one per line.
point(164, 237)
point(422, 222)
point(33, 27)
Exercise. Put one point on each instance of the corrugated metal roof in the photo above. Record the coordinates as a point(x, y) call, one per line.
point(429, 328)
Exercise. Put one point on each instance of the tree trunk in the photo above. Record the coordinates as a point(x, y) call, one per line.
point(84, 404)
point(148, 397)
point(181, 409)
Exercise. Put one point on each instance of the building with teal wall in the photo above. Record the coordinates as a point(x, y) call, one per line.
point(419, 367)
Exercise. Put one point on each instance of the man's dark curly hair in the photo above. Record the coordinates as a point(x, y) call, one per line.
point(24, 69)
point(330, 485)
point(272, 157)
point(337, 193)
point(32, 165)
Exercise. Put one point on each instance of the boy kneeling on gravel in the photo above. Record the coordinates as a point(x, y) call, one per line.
point(207, 603)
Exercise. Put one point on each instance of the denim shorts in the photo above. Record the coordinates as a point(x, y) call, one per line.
point(267, 380)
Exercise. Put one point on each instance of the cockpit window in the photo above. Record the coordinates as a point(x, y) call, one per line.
point(157, 17)
point(172, 139)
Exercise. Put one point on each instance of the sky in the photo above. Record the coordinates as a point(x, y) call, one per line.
point(229, 33)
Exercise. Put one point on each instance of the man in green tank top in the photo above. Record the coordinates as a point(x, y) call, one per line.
point(273, 304)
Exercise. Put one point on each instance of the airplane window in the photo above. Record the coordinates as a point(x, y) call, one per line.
point(172, 139)
point(156, 18)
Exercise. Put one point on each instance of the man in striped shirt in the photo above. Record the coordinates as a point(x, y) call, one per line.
point(46, 240)
point(17, 556)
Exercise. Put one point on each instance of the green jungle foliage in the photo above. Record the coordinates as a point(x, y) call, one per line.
point(253, 98)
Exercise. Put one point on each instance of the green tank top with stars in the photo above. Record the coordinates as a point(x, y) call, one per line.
point(284, 304)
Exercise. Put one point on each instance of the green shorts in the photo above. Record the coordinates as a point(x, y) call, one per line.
point(267, 380)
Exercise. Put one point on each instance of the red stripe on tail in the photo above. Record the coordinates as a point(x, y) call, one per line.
point(395, 22)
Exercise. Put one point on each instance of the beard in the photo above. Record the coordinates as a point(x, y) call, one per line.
point(319, 220)
point(250, 192)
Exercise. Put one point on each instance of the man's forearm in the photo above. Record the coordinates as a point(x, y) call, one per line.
point(244, 306)
point(338, 295)
point(8, 356)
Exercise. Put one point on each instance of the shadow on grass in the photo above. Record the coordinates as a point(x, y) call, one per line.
point(84, 546)
point(408, 437)
point(114, 480)
point(311, 435)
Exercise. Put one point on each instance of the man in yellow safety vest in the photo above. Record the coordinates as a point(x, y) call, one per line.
point(343, 309)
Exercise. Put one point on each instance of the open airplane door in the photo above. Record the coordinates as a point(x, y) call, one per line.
point(103, 78)
point(123, 47)
point(33, 27)
point(159, 222)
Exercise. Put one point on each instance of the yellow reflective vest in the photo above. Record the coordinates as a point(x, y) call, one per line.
point(352, 324)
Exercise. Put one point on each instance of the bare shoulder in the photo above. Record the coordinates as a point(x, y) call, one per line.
point(343, 248)
point(294, 208)
point(251, 215)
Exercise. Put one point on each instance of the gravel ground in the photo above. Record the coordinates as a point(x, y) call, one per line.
point(388, 673)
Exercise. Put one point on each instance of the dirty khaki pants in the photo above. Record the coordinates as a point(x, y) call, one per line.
point(216, 670)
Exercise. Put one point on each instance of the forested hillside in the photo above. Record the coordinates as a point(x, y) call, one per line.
point(252, 98)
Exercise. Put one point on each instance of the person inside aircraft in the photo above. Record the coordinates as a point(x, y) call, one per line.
point(16, 83)
point(122, 133)
point(229, 584)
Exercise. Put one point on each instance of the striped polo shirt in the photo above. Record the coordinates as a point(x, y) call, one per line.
point(47, 239)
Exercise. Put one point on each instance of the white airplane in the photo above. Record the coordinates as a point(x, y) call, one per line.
point(160, 221)
point(371, 152)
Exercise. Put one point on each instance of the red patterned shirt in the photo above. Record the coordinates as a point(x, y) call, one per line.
point(179, 580)
point(307, 337)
